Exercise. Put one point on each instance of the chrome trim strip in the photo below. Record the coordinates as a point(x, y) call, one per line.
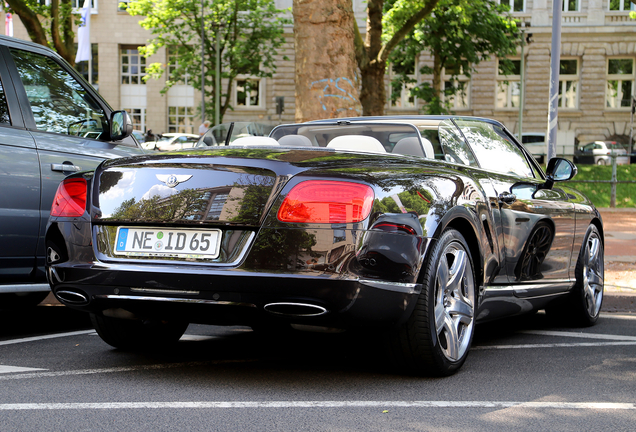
point(18, 288)
point(406, 288)
point(173, 300)
point(163, 291)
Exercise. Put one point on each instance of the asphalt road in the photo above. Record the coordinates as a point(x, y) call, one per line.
point(522, 374)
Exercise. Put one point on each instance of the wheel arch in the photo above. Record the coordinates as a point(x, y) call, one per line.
point(599, 226)
point(463, 221)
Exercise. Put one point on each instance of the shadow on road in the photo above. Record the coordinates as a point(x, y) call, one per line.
point(39, 320)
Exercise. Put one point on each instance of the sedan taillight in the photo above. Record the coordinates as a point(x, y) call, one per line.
point(70, 198)
point(325, 201)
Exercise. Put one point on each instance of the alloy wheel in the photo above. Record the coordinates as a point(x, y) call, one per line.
point(454, 301)
point(593, 274)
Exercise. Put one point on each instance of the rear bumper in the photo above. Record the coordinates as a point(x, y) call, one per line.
point(235, 297)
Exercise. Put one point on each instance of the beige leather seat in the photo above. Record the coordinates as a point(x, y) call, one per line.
point(295, 141)
point(414, 147)
point(357, 143)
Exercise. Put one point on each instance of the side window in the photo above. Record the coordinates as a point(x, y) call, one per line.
point(453, 145)
point(58, 101)
point(494, 150)
point(4, 108)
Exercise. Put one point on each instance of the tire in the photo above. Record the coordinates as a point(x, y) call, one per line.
point(583, 306)
point(135, 334)
point(436, 338)
point(600, 162)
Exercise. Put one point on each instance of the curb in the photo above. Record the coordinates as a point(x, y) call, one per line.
point(619, 302)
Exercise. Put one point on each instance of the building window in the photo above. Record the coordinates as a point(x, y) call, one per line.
point(569, 84)
point(401, 91)
point(570, 5)
point(133, 66)
point(90, 69)
point(248, 92)
point(456, 79)
point(515, 5)
point(75, 4)
point(621, 5)
point(181, 119)
point(620, 82)
point(508, 94)
point(173, 64)
point(138, 118)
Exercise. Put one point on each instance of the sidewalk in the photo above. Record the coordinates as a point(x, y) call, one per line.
point(620, 259)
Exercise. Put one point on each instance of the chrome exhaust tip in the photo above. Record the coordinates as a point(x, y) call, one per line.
point(71, 297)
point(295, 309)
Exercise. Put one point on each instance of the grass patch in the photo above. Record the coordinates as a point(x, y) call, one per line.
point(600, 193)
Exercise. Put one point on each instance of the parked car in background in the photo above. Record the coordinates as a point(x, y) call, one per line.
point(139, 136)
point(416, 226)
point(535, 143)
point(52, 124)
point(225, 133)
point(600, 153)
point(175, 141)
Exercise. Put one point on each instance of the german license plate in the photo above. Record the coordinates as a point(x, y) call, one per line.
point(161, 242)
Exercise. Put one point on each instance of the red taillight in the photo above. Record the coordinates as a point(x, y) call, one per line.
point(70, 198)
point(324, 201)
point(391, 227)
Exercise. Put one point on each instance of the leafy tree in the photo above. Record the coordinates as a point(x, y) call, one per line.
point(328, 30)
point(51, 26)
point(249, 31)
point(388, 23)
point(460, 35)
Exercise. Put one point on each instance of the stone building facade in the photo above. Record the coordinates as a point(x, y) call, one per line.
point(598, 60)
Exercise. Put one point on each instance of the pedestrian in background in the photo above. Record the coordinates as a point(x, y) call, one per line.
point(204, 127)
point(150, 136)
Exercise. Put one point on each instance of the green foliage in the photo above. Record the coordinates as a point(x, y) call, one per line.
point(48, 23)
point(459, 35)
point(250, 33)
point(600, 193)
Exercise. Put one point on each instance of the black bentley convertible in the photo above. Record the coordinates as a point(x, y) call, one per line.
point(417, 226)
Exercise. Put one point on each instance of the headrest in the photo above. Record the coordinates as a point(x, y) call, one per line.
point(414, 147)
point(295, 141)
point(254, 141)
point(357, 143)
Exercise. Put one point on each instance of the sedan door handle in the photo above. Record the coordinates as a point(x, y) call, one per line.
point(65, 167)
point(507, 198)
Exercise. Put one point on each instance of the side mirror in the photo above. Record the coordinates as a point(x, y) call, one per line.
point(120, 125)
point(558, 169)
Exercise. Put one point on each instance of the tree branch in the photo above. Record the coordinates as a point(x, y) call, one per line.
point(30, 21)
point(383, 55)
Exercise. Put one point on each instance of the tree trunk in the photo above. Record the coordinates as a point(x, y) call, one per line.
point(437, 76)
point(373, 93)
point(326, 67)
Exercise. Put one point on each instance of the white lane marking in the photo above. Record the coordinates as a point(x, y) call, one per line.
point(15, 369)
point(617, 316)
point(320, 404)
point(554, 345)
point(579, 335)
point(51, 336)
point(120, 369)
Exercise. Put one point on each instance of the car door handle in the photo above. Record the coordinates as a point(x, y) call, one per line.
point(64, 167)
point(507, 198)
